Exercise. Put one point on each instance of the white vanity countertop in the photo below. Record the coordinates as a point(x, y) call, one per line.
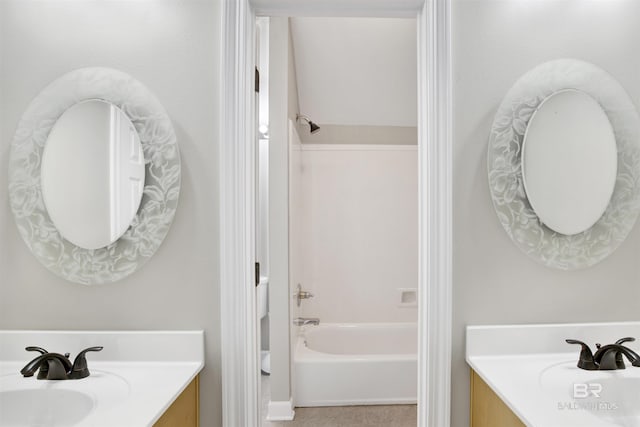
point(133, 380)
point(533, 370)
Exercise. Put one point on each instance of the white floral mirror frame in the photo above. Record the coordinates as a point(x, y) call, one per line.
point(162, 177)
point(505, 173)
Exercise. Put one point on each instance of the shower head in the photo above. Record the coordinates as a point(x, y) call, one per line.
point(313, 128)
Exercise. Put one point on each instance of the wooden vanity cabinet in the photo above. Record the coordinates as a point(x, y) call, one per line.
point(185, 410)
point(487, 409)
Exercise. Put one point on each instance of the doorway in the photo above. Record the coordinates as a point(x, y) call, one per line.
point(348, 165)
point(239, 353)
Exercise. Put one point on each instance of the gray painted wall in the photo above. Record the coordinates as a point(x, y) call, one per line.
point(494, 43)
point(173, 48)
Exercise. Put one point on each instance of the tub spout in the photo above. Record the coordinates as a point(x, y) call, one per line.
point(301, 321)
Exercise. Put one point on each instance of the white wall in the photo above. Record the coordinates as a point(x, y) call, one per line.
point(358, 238)
point(494, 43)
point(283, 106)
point(356, 71)
point(367, 135)
point(297, 218)
point(173, 48)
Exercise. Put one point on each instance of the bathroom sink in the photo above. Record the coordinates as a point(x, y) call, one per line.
point(558, 378)
point(619, 401)
point(32, 402)
point(132, 382)
point(44, 407)
point(530, 368)
point(611, 396)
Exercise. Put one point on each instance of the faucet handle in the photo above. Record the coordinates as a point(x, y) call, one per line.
point(619, 359)
point(572, 341)
point(80, 369)
point(38, 349)
point(586, 356)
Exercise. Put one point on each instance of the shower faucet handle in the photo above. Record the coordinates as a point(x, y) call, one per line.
point(303, 321)
point(299, 295)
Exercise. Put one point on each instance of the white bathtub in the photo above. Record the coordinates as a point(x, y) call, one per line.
point(356, 364)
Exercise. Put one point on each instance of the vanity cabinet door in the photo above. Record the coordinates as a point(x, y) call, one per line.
point(184, 411)
point(487, 409)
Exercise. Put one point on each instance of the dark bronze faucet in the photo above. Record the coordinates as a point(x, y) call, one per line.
point(608, 357)
point(56, 366)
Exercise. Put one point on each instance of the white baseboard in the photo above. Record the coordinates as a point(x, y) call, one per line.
point(356, 402)
point(280, 410)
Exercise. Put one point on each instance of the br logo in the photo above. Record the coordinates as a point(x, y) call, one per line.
point(584, 390)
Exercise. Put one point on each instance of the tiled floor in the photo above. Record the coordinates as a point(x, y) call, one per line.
point(344, 416)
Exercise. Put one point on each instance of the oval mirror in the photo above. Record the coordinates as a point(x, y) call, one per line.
point(569, 161)
point(92, 173)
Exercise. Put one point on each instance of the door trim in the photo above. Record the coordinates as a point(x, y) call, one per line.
point(240, 371)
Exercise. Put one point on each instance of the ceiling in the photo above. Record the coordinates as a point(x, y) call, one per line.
point(356, 71)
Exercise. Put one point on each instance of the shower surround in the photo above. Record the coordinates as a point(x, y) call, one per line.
point(354, 229)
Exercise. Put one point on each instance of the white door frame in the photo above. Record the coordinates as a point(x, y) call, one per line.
point(240, 371)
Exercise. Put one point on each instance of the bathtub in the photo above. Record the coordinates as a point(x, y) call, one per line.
point(356, 364)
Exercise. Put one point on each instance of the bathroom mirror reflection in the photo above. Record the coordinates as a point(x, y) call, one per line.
point(92, 173)
point(569, 161)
